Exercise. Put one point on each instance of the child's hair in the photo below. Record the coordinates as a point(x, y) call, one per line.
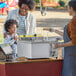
point(72, 4)
point(9, 23)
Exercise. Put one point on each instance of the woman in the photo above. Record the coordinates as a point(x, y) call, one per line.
point(69, 65)
point(26, 21)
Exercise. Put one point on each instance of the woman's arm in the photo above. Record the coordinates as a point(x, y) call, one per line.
point(59, 32)
point(10, 14)
point(33, 25)
point(54, 30)
point(64, 44)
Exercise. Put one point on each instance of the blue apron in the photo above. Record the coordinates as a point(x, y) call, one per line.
point(69, 64)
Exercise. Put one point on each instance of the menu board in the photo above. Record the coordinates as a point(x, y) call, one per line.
point(6, 48)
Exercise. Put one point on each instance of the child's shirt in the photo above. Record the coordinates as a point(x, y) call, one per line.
point(13, 43)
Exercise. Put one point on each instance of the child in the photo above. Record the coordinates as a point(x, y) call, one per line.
point(11, 37)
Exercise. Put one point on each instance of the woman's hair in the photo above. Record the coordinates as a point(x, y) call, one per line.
point(29, 3)
point(73, 4)
point(9, 23)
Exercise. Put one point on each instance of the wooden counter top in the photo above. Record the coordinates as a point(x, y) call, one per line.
point(31, 61)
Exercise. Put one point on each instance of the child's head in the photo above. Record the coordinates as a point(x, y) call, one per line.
point(11, 26)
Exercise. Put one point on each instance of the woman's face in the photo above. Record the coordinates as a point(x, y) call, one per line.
point(24, 10)
point(12, 29)
point(71, 11)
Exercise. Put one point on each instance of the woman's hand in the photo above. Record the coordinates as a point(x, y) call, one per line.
point(56, 46)
point(48, 29)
